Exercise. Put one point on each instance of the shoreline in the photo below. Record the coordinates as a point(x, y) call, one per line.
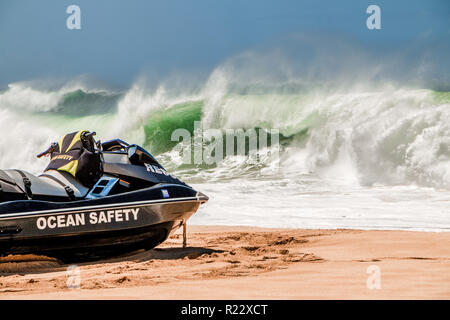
point(239, 262)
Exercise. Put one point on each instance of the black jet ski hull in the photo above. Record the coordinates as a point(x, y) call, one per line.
point(91, 229)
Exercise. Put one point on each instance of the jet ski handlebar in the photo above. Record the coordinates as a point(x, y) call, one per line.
point(88, 135)
point(48, 151)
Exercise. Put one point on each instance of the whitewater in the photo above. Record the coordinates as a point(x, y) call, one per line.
point(361, 156)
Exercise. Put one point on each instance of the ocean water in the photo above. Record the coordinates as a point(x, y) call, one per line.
point(362, 156)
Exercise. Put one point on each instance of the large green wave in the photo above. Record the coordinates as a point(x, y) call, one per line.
point(79, 109)
point(159, 125)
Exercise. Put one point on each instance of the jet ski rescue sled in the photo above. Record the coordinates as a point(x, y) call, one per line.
point(94, 200)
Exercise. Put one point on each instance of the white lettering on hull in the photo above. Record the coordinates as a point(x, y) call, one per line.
point(79, 219)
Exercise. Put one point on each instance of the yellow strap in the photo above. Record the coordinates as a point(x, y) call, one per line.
point(71, 167)
point(60, 143)
point(76, 139)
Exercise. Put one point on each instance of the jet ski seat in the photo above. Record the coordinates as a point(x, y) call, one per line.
point(51, 186)
point(80, 191)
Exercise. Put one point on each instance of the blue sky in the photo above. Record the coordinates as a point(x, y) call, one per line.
point(121, 39)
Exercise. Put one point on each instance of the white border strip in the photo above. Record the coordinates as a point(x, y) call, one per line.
point(9, 216)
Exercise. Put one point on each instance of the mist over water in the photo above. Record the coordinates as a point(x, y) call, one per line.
point(362, 144)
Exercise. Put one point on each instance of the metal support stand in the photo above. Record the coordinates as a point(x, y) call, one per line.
point(184, 234)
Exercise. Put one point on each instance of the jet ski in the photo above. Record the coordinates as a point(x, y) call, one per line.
point(94, 200)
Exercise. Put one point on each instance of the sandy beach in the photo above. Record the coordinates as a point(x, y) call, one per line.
point(250, 263)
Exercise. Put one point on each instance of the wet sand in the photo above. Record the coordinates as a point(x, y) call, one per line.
point(250, 263)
